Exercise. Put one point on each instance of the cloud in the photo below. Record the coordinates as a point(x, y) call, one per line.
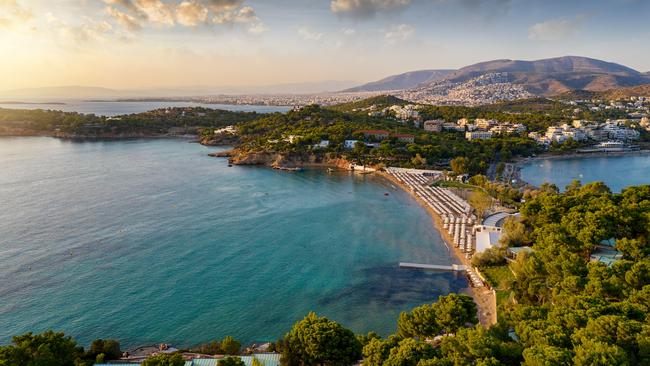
point(218, 6)
point(553, 30)
point(399, 33)
point(11, 12)
point(244, 15)
point(191, 13)
point(124, 19)
point(307, 34)
point(86, 32)
point(364, 9)
point(157, 11)
point(153, 11)
point(348, 31)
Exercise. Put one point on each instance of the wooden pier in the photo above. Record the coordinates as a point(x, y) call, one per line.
point(453, 267)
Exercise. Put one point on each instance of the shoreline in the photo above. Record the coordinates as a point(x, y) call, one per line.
point(484, 298)
point(576, 155)
point(520, 163)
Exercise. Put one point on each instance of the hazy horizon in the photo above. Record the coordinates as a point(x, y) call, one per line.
point(162, 44)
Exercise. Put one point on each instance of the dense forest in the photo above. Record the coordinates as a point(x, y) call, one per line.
point(312, 124)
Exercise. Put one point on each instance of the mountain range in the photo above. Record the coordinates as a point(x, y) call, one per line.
point(403, 81)
point(541, 77)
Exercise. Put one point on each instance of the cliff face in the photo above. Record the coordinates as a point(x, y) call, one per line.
point(286, 160)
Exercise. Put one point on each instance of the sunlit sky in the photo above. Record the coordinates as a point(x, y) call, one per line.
point(171, 43)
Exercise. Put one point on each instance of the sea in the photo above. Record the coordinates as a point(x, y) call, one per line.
point(149, 241)
point(115, 108)
point(617, 172)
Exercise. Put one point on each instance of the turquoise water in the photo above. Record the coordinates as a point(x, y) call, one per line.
point(118, 108)
point(151, 240)
point(617, 172)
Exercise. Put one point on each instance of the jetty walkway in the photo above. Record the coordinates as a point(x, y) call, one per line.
point(453, 267)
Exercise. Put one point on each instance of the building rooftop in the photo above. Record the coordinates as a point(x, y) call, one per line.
point(486, 240)
point(517, 250)
point(496, 220)
point(374, 132)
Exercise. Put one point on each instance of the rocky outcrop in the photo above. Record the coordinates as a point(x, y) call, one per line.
point(220, 140)
point(284, 160)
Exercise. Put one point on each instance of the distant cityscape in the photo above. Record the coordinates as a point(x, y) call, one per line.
point(485, 89)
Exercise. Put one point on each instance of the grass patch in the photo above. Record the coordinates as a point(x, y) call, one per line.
point(499, 277)
point(502, 296)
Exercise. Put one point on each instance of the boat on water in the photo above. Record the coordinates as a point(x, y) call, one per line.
point(288, 169)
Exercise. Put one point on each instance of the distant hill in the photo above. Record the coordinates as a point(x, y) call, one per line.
point(579, 94)
point(557, 75)
point(403, 81)
point(635, 91)
point(547, 77)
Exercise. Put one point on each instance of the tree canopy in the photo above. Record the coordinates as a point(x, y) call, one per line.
point(165, 359)
point(319, 341)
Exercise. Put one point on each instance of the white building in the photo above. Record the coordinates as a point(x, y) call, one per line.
point(486, 237)
point(349, 144)
point(322, 144)
point(645, 123)
point(406, 112)
point(478, 135)
point(434, 125)
point(450, 126)
point(508, 128)
point(485, 124)
point(617, 131)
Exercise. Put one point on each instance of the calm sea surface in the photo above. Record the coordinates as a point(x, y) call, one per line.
point(151, 240)
point(617, 172)
point(117, 108)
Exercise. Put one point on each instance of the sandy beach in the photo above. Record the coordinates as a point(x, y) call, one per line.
point(484, 297)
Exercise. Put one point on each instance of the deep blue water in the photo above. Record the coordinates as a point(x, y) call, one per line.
point(118, 108)
point(151, 240)
point(617, 172)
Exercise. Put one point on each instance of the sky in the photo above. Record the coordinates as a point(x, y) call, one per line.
point(135, 44)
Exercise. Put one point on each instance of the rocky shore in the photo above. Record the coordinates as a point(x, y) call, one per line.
point(284, 160)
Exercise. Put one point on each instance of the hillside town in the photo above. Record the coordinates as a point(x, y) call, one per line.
point(485, 89)
point(580, 130)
